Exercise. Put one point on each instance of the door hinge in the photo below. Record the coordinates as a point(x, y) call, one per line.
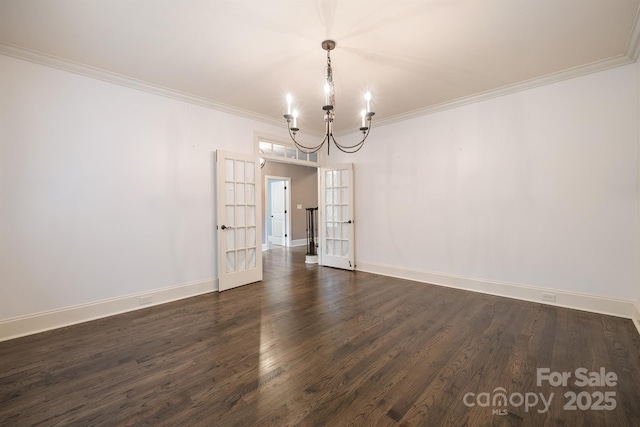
point(286, 235)
point(285, 211)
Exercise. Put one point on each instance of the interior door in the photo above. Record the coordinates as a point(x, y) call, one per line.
point(336, 217)
point(239, 231)
point(278, 224)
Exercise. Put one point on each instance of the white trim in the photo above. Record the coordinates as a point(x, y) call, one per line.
point(636, 315)
point(633, 48)
point(633, 44)
point(45, 321)
point(592, 303)
point(299, 242)
point(126, 81)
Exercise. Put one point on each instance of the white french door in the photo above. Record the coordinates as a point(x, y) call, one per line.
point(239, 230)
point(337, 228)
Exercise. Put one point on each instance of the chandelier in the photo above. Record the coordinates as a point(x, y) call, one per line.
point(329, 114)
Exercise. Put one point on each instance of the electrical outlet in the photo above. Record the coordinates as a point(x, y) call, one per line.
point(147, 299)
point(549, 297)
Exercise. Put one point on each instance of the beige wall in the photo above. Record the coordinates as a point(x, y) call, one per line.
point(304, 191)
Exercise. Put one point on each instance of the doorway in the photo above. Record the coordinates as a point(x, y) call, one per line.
point(278, 211)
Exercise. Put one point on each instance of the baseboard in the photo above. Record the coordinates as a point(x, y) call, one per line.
point(636, 315)
point(592, 303)
point(40, 322)
point(299, 242)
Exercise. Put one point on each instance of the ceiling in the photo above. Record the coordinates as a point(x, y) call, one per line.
point(246, 55)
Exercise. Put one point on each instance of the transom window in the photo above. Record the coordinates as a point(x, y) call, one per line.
point(275, 150)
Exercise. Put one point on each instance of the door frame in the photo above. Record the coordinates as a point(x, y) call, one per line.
point(287, 206)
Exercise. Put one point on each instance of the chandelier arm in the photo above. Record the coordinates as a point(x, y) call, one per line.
point(305, 149)
point(352, 148)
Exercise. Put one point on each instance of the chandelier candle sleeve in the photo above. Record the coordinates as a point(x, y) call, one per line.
point(327, 93)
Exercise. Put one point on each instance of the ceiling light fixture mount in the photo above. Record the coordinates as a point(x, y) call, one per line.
point(329, 114)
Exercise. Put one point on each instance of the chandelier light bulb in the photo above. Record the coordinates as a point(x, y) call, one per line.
point(289, 100)
point(367, 97)
point(295, 118)
point(363, 113)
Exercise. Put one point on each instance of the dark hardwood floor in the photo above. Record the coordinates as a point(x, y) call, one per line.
point(317, 346)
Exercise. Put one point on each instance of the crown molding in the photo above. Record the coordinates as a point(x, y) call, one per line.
point(594, 67)
point(633, 49)
point(130, 82)
point(633, 45)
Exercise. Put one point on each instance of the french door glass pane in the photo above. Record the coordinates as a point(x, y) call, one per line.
point(345, 248)
point(241, 237)
point(251, 215)
point(230, 193)
point(336, 178)
point(250, 172)
point(240, 215)
point(251, 258)
point(231, 241)
point(230, 220)
point(251, 194)
point(239, 171)
point(241, 261)
point(251, 237)
point(229, 170)
point(240, 194)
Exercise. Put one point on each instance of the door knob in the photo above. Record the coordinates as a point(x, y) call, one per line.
point(224, 227)
point(347, 222)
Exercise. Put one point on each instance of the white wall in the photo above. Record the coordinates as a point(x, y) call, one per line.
point(537, 188)
point(105, 191)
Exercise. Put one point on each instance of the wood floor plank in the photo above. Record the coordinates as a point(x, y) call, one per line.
point(313, 346)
